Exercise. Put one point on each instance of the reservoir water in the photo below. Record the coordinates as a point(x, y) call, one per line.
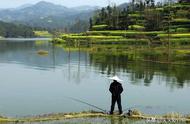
point(32, 84)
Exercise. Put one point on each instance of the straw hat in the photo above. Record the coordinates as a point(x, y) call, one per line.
point(115, 78)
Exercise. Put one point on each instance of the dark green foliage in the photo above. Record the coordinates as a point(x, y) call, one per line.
point(91, 23)
point(124, 20)
point(113, 17)
point(153, 20)
point(151, 16)
point(13, 30)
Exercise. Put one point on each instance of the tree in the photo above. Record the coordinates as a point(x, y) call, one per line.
point(91, 23)
point(123, 20)
point(183, 1)
point(152, 3)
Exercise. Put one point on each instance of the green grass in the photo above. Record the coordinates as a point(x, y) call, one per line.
point(91, 37)
point(123, 33)
point(181, 20)
point(136, 27)
point(177, 35)
point(159, 9)
point(58, 41)
point(42, 33)
point(183, 52)
point(99, 27)
point(134, 15)
point(123, 41)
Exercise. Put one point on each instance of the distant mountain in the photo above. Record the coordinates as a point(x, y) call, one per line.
point(47, 15)
point(124, 5)
point(85, 8)
point(24, 6)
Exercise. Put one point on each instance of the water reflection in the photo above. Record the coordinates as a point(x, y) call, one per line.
point(109, 64)
point(176, 76)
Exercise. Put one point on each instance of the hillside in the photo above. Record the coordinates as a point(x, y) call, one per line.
point(149, 32)
point(47, 15)
point(13, 30)
point(148, 23)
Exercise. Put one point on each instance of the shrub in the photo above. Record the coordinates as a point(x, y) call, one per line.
point(58, 40)
point(182, 30)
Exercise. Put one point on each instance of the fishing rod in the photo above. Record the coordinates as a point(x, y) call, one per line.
point(94, 106)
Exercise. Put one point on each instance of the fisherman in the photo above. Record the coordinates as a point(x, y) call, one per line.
point(116, 89)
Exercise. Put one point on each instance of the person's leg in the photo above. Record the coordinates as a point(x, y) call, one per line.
point(113, 100)
point(119, 104)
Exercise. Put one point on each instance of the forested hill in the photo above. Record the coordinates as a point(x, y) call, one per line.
point(144, 16)
point(50, 16)
point(13, 30)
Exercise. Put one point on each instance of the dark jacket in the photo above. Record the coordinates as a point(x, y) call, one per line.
point(116, 88)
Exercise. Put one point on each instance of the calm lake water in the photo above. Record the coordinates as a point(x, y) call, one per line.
point(31, 84)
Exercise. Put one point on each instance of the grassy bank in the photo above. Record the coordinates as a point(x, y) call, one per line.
point(170, 117)
point(177, 55)
point(157, 38)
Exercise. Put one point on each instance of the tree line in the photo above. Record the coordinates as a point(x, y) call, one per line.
point(14, 30)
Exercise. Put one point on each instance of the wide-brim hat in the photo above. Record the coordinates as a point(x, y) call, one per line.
point(115, 78)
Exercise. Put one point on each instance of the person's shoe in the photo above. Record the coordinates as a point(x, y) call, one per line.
point(120, 113)
point(111, 113)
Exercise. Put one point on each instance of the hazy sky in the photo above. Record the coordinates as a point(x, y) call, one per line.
point(68, 3)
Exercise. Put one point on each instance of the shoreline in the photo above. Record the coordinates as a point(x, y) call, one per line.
point(25, 39)
point(135, 115)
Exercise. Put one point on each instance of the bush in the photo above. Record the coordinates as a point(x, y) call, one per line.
point(134, 15)
point(180, 21)
point(182, 30)
point(58, 40)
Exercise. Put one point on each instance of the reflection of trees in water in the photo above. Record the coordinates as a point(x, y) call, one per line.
point(175, 76)
point(77, 73)
point(109, 64)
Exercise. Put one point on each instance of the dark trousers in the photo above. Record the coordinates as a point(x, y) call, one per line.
point(113, 101)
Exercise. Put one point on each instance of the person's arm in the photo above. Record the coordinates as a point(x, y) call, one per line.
point(111, 89)
point(121, 89)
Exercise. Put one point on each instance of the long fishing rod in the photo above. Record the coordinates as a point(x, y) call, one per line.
point(94, 106)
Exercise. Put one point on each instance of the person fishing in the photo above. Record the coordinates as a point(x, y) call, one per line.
point(116, 89)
